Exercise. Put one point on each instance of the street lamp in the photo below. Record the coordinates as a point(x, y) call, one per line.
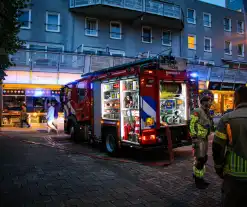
point(2, 75)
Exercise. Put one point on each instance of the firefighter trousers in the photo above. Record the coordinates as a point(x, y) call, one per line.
point(234, 192)
point(200, 156)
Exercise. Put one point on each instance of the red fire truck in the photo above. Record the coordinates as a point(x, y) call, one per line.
point(141, 104)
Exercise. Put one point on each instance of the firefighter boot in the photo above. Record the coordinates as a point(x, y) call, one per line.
point(201, 183)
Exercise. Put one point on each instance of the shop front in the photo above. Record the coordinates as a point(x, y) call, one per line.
point(35, 89)
point(223, 96)
point(36, 98)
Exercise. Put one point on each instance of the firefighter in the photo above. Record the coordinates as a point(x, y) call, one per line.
point(230, 152)
point(201, 125)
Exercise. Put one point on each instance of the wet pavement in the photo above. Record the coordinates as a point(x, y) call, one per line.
point(37, 169)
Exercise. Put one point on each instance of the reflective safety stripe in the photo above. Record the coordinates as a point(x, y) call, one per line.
point(220, 135)
point(199, 173)
point(235, 165)
point(202, 132)
point(193, 122)
point(229, 132)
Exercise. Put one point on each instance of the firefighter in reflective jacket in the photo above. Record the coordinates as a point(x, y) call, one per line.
point(230, 152)
point(201, 124)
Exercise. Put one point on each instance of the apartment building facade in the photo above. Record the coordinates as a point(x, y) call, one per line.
point(65, 38)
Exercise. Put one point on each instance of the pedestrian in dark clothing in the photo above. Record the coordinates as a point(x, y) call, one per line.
point(230, 152)
point(24, 115)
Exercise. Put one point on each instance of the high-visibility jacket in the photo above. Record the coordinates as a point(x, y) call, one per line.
point(230, 143)
point(200, 123)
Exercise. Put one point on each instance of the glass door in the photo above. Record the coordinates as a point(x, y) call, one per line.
point(130, 117)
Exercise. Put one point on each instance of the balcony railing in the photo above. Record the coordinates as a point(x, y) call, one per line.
point(45, 61)
point(149, 6)
point(41, 61)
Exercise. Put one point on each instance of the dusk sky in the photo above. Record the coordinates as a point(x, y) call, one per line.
point(217, 2)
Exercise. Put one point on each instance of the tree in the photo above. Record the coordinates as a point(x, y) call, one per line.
point(10, 11)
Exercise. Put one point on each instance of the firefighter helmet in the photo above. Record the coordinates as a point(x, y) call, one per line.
point(206, 95)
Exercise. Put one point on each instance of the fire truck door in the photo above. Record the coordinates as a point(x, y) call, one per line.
point(148, 102)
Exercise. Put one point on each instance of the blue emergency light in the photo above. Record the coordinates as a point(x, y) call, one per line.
point(194, 75)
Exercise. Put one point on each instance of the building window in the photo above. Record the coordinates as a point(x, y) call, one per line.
point(207, 20)
point(228, 47)
point(52, 22)
point(192, 42)
point(25, 19)
point(91, 28)
point(191, 16)
point(207, 44)
point(146, 34)
point(240, 27)
point(227, 24)
point(167, 38)
point(241, 50)
point(115, 30)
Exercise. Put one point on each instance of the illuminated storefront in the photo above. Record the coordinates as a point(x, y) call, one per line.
point(35, 89)
point(223, 96)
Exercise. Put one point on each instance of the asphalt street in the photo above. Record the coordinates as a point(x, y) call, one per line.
point(41, 170)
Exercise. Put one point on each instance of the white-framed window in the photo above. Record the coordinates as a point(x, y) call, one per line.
point(91, 27)
point(207, 44)
point(146, 34)
point(207, 19)
point(241, 50)
point(240, 27)
point(192, 42)
point(115, 30)
point(166, 38)
point(52, 22)
point(117, 53)
point(25, 19)
point(191, 16)
point(228, 48)
point(227, 24)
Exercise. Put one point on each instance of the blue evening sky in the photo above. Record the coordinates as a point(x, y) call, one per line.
point(217, 2)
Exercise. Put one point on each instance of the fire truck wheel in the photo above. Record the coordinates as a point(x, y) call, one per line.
point(72, 132)
point(111, 144)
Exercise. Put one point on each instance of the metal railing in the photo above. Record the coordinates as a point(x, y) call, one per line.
point(51, 61)
point(149, 6)
point(46, 61)
point(220, 74)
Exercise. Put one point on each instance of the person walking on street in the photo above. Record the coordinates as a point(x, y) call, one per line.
point(56, 109)
point(24, 115)
point(200, 128)
point(50, 118)
point(230, 152)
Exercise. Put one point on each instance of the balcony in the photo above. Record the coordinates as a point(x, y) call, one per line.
point(152, 12)
point(53, 62)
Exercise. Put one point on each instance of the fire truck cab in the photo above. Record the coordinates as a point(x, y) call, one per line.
point(133, 104)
